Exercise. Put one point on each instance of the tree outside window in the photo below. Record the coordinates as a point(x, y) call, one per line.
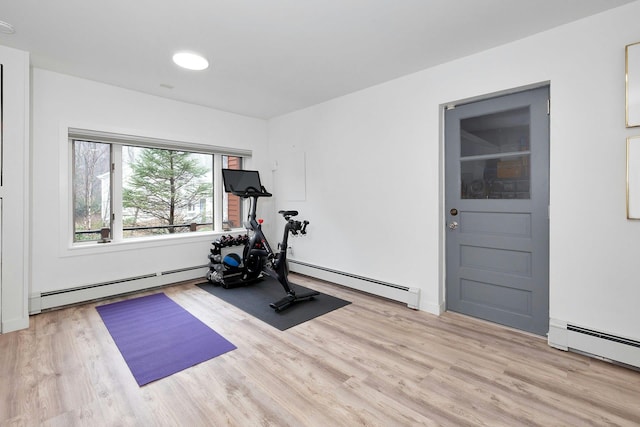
point(163, 191)
point(91, 206)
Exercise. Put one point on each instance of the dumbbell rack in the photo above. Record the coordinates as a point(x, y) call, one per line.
point(221, 273)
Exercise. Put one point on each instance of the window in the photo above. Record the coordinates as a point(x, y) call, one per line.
point(127, 187)
point(233, 205)
point(494, 155)
point(91, 189)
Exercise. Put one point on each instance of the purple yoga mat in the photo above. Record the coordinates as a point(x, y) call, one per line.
point(158, 338)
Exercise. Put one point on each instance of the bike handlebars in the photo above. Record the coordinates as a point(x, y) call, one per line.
point(298, 227)
point(294, 226)
point(252, 192)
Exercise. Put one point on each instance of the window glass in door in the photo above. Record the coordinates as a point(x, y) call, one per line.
point(495, 155)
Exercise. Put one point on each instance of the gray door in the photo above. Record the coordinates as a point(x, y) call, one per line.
point(497, 209)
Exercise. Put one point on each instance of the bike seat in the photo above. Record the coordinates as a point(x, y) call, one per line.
point(288, 213)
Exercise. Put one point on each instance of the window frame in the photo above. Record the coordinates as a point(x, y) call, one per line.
point(118, 140)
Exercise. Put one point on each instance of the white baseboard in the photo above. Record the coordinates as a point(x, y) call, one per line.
point(407, 295)
point(603, 345)
point(56, 299)
point(433, 308)
point(557, 336)
point(14, 325)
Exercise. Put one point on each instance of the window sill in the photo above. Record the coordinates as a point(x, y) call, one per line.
point(140, 243)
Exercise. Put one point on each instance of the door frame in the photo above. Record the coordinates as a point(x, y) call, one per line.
point(442, 220)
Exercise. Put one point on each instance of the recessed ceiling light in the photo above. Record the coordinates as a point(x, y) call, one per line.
point(6, 28)
point(190, 61)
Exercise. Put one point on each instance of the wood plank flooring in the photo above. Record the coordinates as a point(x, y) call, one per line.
point(372, 363)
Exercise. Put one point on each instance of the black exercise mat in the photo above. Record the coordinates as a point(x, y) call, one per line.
point(255, 298)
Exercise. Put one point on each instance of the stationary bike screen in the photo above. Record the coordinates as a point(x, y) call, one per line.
point(241, 181)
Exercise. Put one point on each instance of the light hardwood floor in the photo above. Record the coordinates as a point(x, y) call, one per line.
point(373, 363)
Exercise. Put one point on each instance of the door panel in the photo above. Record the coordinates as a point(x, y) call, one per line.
point(496, 198)
point(509, 224)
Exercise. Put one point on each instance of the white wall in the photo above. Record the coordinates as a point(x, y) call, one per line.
point(14, 208)
point(374, 170)
point(61, 101)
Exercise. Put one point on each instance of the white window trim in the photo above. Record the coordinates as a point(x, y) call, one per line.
point(151, 142)
point(70, 248)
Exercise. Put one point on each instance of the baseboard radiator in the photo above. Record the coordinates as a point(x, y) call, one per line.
point(599, 344)
point(61, 298)
point(407, 295)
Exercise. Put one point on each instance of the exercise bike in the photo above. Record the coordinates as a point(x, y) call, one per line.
point(257, 257)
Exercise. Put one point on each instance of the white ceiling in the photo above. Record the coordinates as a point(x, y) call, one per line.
point(269, 57)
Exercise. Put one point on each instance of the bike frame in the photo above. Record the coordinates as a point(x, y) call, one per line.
point(258, 256)
point(258, 246)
